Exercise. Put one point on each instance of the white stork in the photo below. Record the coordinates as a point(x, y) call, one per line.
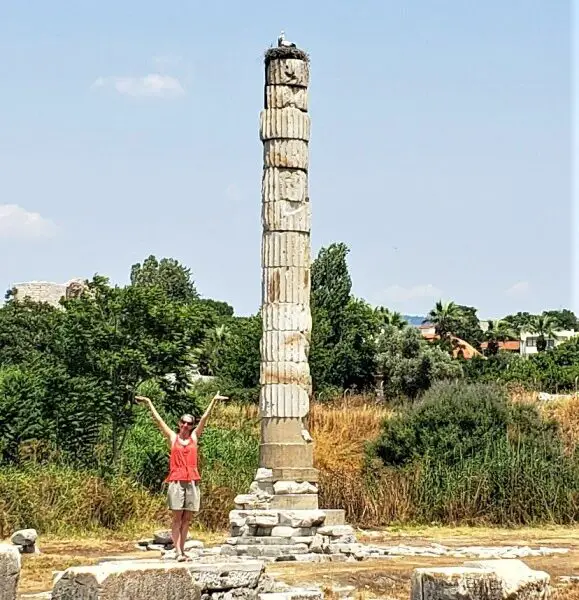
point(283, 43)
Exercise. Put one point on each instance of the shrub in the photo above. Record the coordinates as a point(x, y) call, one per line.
point(475, 456)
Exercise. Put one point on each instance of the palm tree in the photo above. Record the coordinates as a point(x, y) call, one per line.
point(392, 318)
point(446, 318)
point(498, 331)
point(544, 326)
point(209, 355)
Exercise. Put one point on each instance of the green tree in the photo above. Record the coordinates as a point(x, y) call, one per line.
point(409, 365)
point(519, 321)
point(120, 337)
point(393, 318)
point(468, 327)
point(241, 358)
point(564, 319)
point(543, 326)
point(210, 355)
point(498, 331)
point(447, 318)
point(344, 329)
point(168, 274)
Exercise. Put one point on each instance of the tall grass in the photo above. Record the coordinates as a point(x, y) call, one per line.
point(61, 500)
point(512, 483)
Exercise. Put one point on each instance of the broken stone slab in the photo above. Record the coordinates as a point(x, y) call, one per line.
point(302, 518)
point(294, 487)
point(336, 531)
point(519, 581)
point(127, 581)
point(264, 475)
point(134, 580)
point(471, 582)
point(9, 571)
point(262, 486)
point(24, 537)
point(267, 540)
point(288, 532)
point(261, 551)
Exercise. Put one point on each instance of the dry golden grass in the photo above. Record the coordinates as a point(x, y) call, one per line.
point(566, 413)
point(341, 430)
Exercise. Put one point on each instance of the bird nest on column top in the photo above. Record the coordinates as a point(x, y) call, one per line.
point(285, 52)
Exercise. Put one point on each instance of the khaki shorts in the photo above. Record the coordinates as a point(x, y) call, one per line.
point(183, 495)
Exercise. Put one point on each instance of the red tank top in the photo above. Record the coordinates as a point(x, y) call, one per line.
point(183, 462)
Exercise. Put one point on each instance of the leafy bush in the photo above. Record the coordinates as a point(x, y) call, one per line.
point(454, 421)
point(476, 456)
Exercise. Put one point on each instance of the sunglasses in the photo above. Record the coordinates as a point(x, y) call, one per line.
point(187, 423)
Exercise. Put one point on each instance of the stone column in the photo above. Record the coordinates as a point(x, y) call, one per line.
point(279, 517)
point(286, 447)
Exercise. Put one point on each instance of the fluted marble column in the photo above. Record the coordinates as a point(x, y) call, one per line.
point(286, 447)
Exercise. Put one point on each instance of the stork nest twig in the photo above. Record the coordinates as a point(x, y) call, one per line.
point(285, 52)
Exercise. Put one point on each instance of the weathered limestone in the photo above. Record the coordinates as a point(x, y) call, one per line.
point(481, 580)
point(279, 517)
point(134, 580)
point(9, 571)
point(285, 376)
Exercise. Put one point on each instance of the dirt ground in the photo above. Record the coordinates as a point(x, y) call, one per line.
point(387, 578)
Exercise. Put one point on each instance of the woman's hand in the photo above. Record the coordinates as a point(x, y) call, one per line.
point(219, 397)
point(143, 400)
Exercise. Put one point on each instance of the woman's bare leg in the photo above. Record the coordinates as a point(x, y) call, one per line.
point(185, 520)
point(176, 530)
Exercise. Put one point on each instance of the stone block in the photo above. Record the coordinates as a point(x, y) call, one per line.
point(261, 486)
point(285, 285)
point(24, 537)
point(285, 346)
point(274, 373)
point(264, 521)
point(263, 475)
point(286, 216)
point(301, 518)
point(9, 571)
point(288, 71)
point(336, 531)
point(288, 154)
point(287, 249)
point(294, 487)
point(295, 501)
point(220, 576)
point(282, 400)
point(289, 532)
point(297, 474)
point(284, 185)
point(127, 581)
point(286, 317)
point(284, 123)
point(493, 582)
point(519, 581)
point(286, 96)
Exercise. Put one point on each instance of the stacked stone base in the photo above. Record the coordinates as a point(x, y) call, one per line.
point(291, 535)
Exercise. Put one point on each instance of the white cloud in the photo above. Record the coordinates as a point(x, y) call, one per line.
point(18, 223)
point(397, 293)
point(152, 85)
point(521, 288)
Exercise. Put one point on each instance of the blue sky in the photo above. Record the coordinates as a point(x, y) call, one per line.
point(440, 151)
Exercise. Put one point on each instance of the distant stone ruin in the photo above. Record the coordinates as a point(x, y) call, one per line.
point(48, 292)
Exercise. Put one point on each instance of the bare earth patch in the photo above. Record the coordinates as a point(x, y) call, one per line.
point(387, 578)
